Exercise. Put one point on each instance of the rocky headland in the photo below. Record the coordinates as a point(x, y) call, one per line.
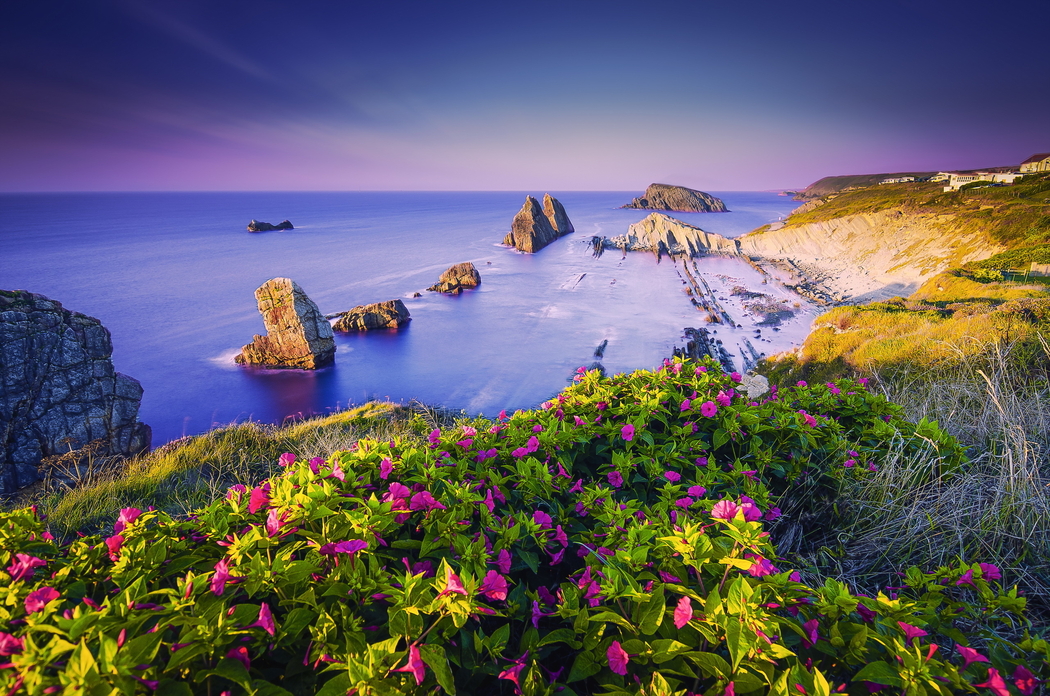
point(534, 227)
point(662, 234)
point(297, 334)
point(380, 315)
point(256, 226)
point(457, 278)
point(58, 389)
point(678, 199)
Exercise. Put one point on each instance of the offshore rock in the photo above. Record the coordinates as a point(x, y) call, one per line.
point(534, 227)
point(455, 279)
point(297, 334)
point(381, 315)
point(679, 199)
point(256, 226)
point(662, 234)
point(58, 389)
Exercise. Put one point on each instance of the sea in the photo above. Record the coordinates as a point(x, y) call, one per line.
point(172, 276)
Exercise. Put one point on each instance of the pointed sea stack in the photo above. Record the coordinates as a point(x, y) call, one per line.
point(297, 334)
point(679, 199)
point(535, 227)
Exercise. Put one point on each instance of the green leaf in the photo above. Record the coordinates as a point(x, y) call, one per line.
point(652, 614)
point(582, 667)
point(712, 665)
point(719, 438)
point(880, 673)
point(170, 687)
point(561, 635)
point(231, 669)
point(531, 560)
point(338, 685)
point(434, 656)
point(666, 649)
point(297, 619)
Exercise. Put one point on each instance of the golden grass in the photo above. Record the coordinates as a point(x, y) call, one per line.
point(949, 287)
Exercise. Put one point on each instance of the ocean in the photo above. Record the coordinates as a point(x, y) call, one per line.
point(172, 276)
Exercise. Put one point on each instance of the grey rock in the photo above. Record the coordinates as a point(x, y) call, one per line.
point(678, 198)
point(256, 226)
point(381, 315)
point(535, 227)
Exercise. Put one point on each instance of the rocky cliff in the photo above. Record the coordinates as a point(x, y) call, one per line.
point(298, 335)
point(457, 278)
point(58, 389)
point(381, 315)
point(679, 199)
point(256, 226)
point(662, 234)
point(534, 227)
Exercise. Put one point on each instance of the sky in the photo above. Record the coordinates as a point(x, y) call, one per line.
point(123, 95)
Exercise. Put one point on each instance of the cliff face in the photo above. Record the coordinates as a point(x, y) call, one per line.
point(534, 227)
point(297, 334)
point(679, 199)
point(58, 388)
point(662, 234)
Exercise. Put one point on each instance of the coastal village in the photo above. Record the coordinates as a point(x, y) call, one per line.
point(997, 176)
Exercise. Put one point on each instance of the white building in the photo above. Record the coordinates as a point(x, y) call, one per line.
point(1036, 163)
point(956, 180)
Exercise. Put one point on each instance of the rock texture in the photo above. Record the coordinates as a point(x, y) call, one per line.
point(456, 278)
point(58, 389)
point(256, 226)
point(535, 227)
point(297, 335)
point(662, 234)
point(679, 199)
point(381, 315)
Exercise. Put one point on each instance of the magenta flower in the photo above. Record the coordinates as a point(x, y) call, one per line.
point(686, 405)
point(969, 655)
point(1025, 681)
point(708, 409)
point(415, 666)
point(337, 472)
point(286, 459)
point(489, 502)
point(723, 398)
point(265, 620)
point(114, 543)
point(424, 500)
point(811, 629)
point(995, 683)
point(730, 689)
point(810, 420)
point(453, 585)
point(618, 658)
point(315, 465)
point(683, 613)
point(965, 579)
point(735, 376)
point(513, 673)
point(348, 547)
point(435, 436)
point(615, 479)
point(701, 461)
point(866, 615)
point(698, 370)
point(503, 561)
point(542, 519)
point(221, 577)
point(684, 502)
point(724, 510)
point(494, 586)
point(386, 467)
point(800, 383)
point(990, 572)
point(126, 517)
point(849, 463)
point(259, 499)
point(24, 566)
point(10, 645)
point(627, 432)
point(911, 632)
point(760, 567)
point(774, 513)
point(236, 491)
point(696, 491)
point(672, 476)
point(38, 599)
point(751, 511)
point(240, 653)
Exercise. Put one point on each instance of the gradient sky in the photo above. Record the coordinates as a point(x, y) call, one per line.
point(569, 95)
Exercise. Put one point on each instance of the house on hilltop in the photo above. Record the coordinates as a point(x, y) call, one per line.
point(955, 179)
point(1036, 163)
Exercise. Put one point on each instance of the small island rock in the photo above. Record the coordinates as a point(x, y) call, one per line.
point(455, 279)
point(256, 226)
point(298, 335)
point(679, 199)
point(534, 227)
point(381, 315)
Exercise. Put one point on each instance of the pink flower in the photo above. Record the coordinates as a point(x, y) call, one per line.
point(503, 561)
point(672, 476)
point(240, 653)
point(724, 510)
point(684, 502)
point(38, 599)
point(850, 463)
point(315, 464)
point(560, 536)
point(618, 658)
point(615, 479)
point(114, 543)
point(686, 405)
point(10, 645)
point(810, 420)
point(435, 436)
point(627, 432)
point(348, 547)
point(701, 461)
point(990, 572)
point(1024, 680)
point(696, 491)
point(221, 577)
point(773, 514)
point(995, 683)
point(494, 586)
point(265, 620)
point(424, 500)
point(286, 459)
point(812, 633)
point(735, 376)
point(513, 673)
point(866, 615)
point(708, 409)
point(386, 467)
point(965, 579)
point(800, 383)
point(337, 472)
point(760, 566)
point(126, 517)
point(911, 632)
point(683, 613)
point(969, 655)
point(730, 689)
point(453, 585)
point(542, 519)
point(578, 421)
point(751, 511)
point(259, 499)
point(532, 445)
point(698, 370)
point(24, 566)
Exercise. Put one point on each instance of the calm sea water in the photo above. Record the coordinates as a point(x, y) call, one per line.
point(172, 276)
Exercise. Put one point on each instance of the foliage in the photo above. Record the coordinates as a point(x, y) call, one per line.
point(613, 541)
point(1014, 258)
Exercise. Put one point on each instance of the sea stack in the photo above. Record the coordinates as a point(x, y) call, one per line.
point(297, 334)
point(679, 199)
point(534, 227)
point(381, 315)
point(58, 389)
point(256, 226)
point(455, 279)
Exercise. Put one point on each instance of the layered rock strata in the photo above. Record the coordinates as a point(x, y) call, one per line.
point(58, 389)
point(297, 334)
point(380, 315)
point(534, 227)
point(662, 234)
point(679, 199)
point(457, 278)
point(256, 226)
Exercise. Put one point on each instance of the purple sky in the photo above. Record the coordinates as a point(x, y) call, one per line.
point(568, 95)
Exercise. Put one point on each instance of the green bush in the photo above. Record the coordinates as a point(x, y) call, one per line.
point(613, 541)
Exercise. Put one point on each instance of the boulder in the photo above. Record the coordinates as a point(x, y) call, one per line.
point(455, 279)
point(679, 199)
point(256, 226)
point(381, 315)
point(297, 334)
point(58, 389)
point(534, 227)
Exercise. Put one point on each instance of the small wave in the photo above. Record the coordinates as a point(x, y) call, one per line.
point(225, 358)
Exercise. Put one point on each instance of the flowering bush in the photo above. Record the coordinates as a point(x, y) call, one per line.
point(612, 541)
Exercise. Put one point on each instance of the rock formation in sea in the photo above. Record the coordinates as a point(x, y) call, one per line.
point(679, 199)
point(256, 226)
point(58, 389)
point(455, 279)
point(297, 334)
point(381, 315)
point(662, 234)
point(535, 227)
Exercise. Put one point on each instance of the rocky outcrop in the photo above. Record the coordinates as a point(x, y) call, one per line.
point(679, 199)
point(662, 234)
point(457, 278)
point(297, 334)
point(256, 226)
point(58, 389)
point(535, 227)
point(381, 315)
